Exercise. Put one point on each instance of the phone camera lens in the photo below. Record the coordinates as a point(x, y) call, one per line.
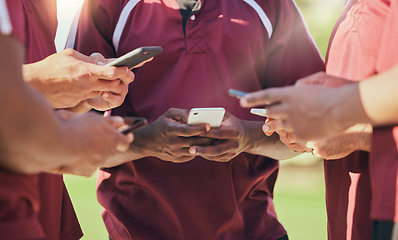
point(195, 113)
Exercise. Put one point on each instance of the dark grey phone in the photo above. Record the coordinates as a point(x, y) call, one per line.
point(136, 56)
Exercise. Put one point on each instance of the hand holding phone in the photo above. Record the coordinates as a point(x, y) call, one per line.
point(136, 56)
point(212, 116)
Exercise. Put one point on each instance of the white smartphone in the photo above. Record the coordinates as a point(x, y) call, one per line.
point(136, 56)
point(259, 111)
point(212, 116)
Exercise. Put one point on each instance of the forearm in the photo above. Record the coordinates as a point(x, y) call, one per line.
point(379, 97)
point(260, 144)
point(373, 100)
point(31, 133)
point(25, 116)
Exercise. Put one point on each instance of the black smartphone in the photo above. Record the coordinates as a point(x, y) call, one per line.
point(136, 56)
point(236, 93)
point(133, 123)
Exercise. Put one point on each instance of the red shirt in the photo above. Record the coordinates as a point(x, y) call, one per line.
point(226, 46)
point(384, 154)
point(352, 54)
point(40, 197)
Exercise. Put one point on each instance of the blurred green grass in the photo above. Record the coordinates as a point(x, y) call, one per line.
point(299, 191)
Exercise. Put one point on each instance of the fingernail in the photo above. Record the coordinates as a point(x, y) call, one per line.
point(192, 150)
point(208, 128)
point(100, 63)
point(130, 137)
point(105, 94)
point(243, 102)
point(265, 128)
point(107, 113)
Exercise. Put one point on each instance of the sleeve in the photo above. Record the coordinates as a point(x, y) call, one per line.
point(98, 19)
point(293, 53)
point(12, 19)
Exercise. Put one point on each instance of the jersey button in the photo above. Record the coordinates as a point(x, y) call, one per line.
point(193, 17)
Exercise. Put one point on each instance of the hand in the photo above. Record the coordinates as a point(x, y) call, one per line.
point(169, 137)
point(105, 101)
point(95, 140)
point(227, 141)
point(67, 78)
point(311, 112)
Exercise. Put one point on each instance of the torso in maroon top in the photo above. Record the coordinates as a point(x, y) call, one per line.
point(384, 154)
point(44, 195)
point(352, 54)
point(226, 46)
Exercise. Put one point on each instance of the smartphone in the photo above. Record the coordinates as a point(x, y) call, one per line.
point(259, 111)
point(133, 123)
point(236, 93)
point(136, 56)
point(212, 116)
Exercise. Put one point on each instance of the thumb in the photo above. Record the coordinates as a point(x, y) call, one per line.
point(98, 58)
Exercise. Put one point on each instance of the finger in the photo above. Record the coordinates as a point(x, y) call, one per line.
point(215, 150)
point(291, 137)
point(115, 121)
point(277, 111)
point(124, 144)
point(93, 94)
point(114, 100)
point(178, 143)
point(184, 130)
point(110, 73)
point(178, 115)
point(264, 97)
point(98, 58)
point(223, 132)
point(198, 141)
point(110, 86)
point(142, 63)
point(108, 60)
point(272, 126)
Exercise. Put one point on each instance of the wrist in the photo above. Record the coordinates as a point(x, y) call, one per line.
point(346, 110)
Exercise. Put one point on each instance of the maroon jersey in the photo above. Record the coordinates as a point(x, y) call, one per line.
point(247, 45)
point(41, 202)
point(352, 54)
point(384, 154)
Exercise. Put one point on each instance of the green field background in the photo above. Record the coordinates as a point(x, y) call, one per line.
point(299, 192)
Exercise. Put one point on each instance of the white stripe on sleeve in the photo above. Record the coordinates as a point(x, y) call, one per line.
point(264, 18)
point(5, 23)
point(122, 22)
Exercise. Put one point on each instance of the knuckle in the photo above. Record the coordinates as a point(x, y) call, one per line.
point(68, 52)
